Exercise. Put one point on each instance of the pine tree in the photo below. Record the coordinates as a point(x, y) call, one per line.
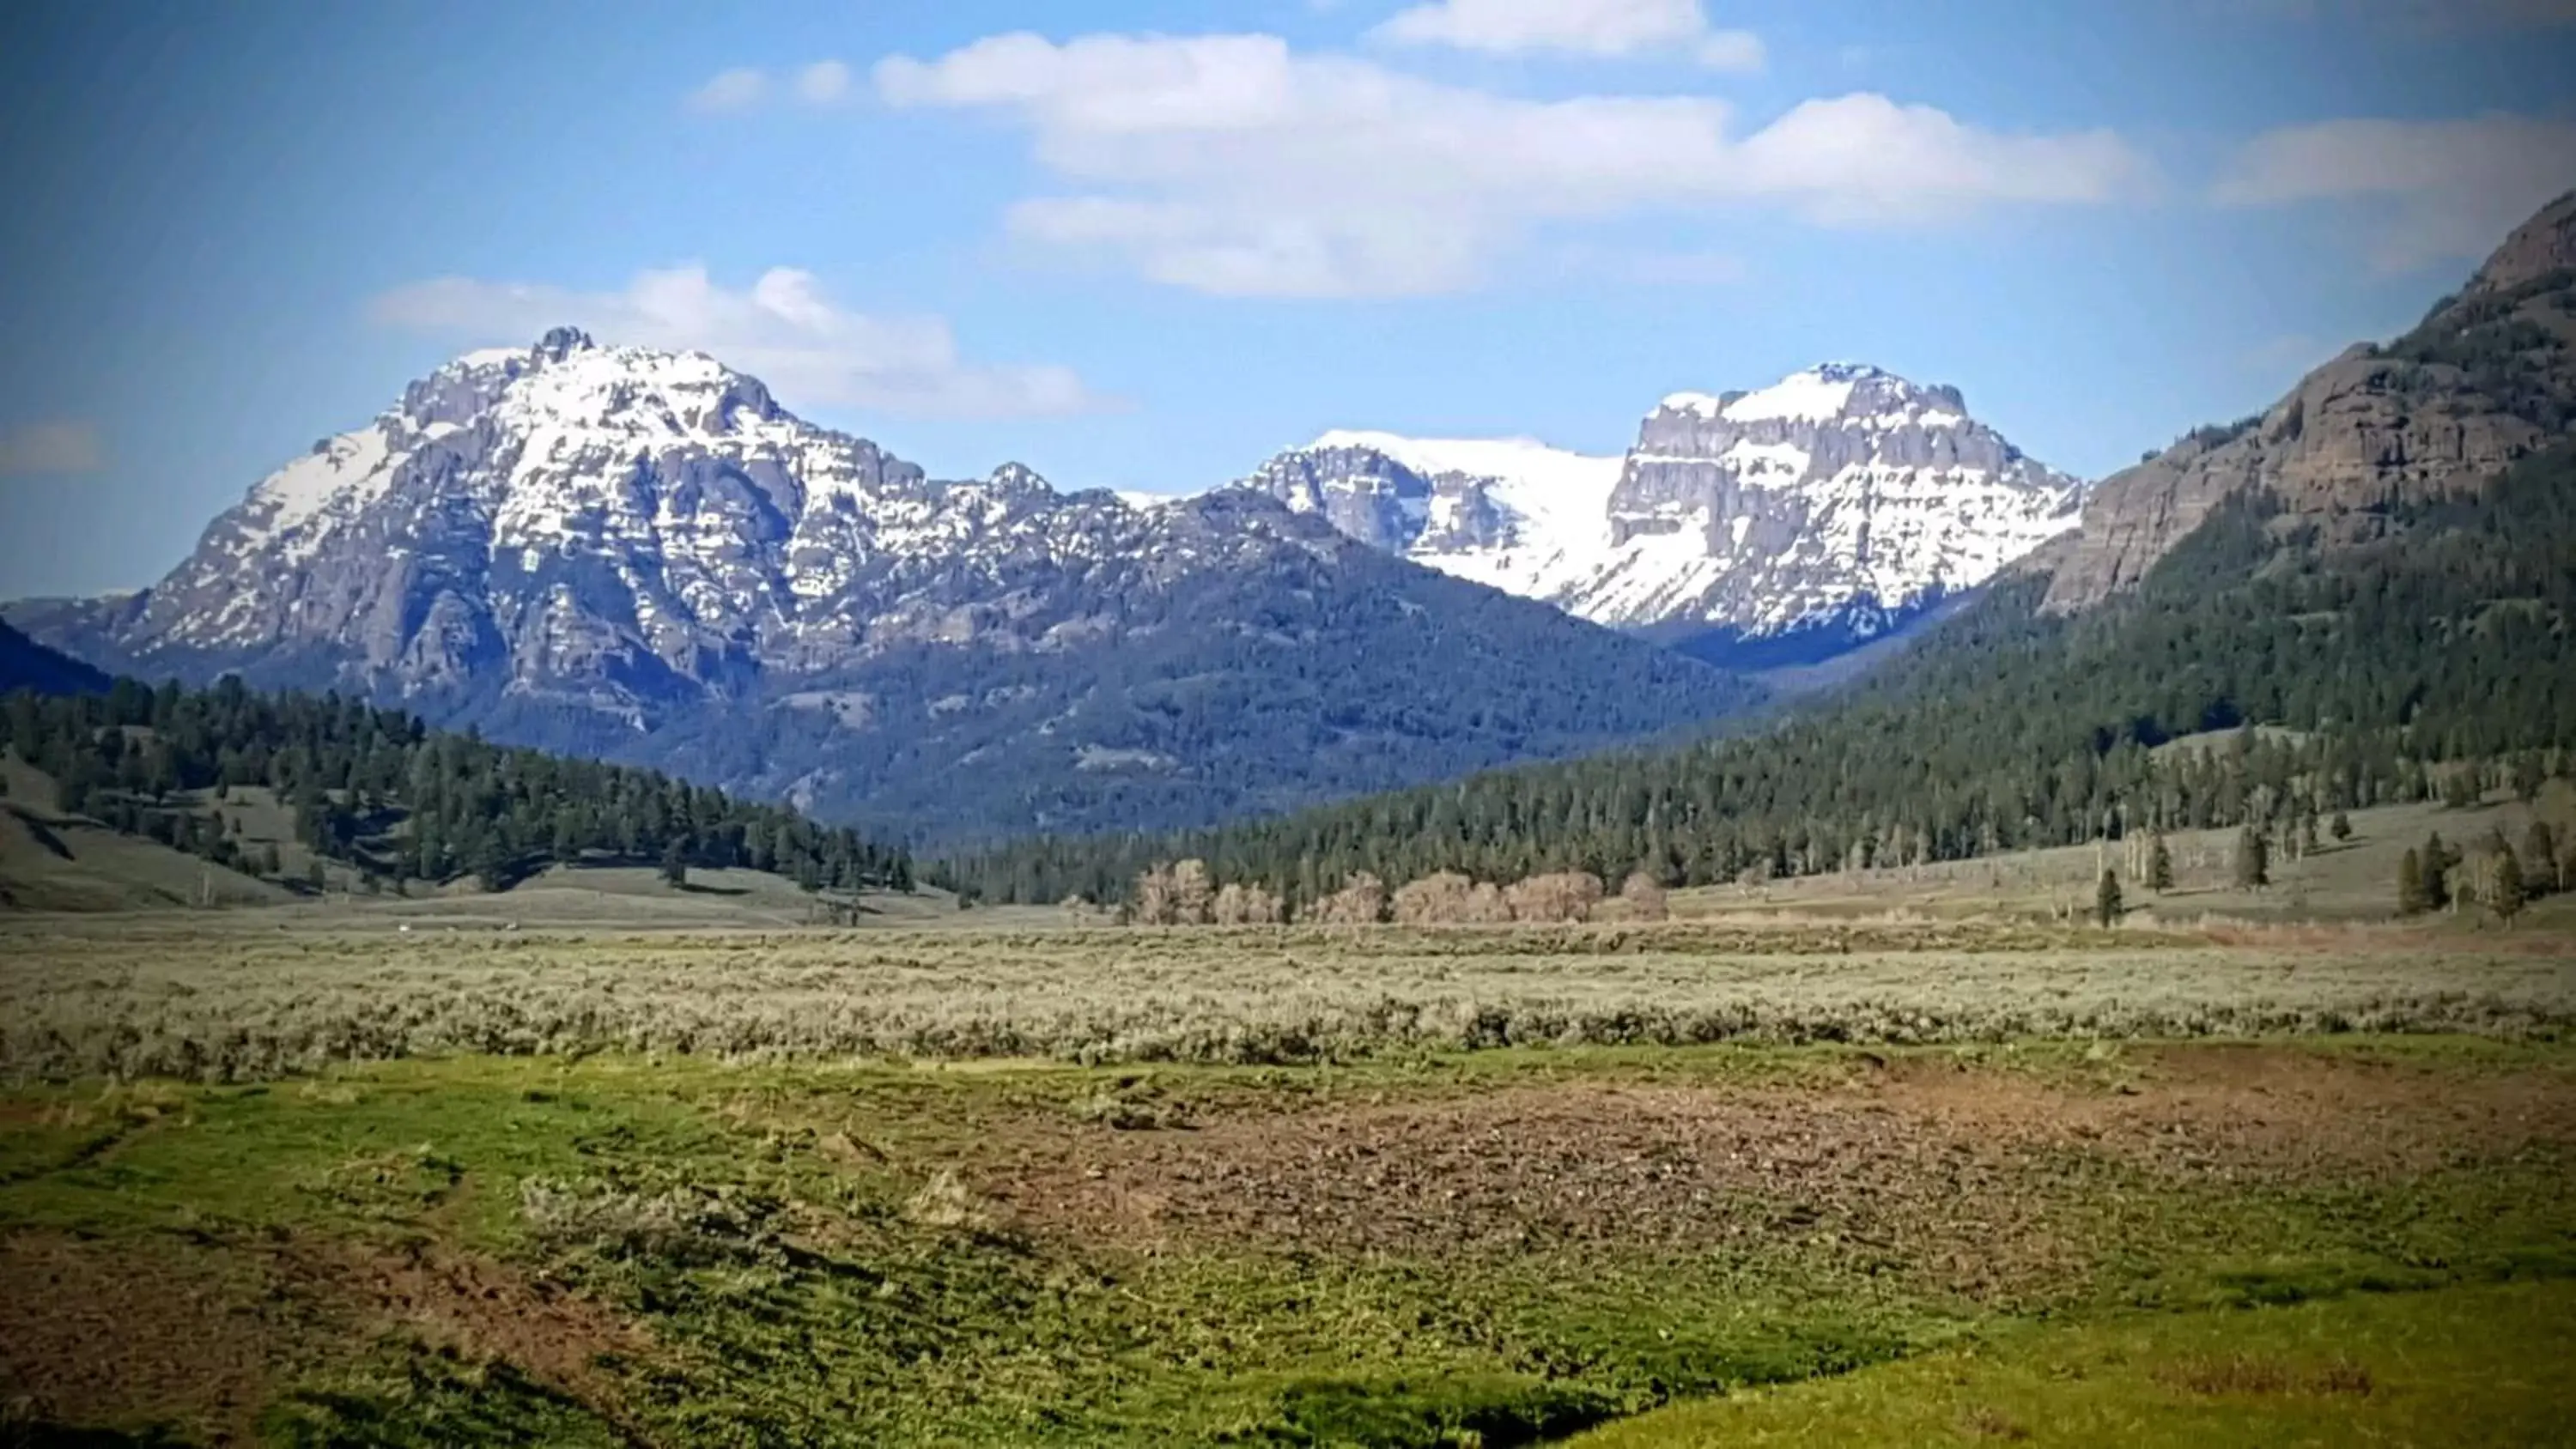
point(2540, 845)
point(2106, 899)
point(675, 862)
point(2505, 896)
point(2412, 900)
point(2160, 876)
point(2253, 860)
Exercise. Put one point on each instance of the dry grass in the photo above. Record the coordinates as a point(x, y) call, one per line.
point(243, 1004)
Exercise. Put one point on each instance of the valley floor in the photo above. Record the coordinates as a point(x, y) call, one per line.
point(1932, 1184)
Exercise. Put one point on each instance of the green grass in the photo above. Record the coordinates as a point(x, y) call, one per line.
point(777, 1236)
point(2464, 1366)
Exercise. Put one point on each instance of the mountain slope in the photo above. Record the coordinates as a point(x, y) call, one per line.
point(2483, 381)
point(1831, 505)
point(26, 664)
point(641, 555)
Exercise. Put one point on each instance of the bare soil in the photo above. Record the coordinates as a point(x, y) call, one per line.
point(200, 1335)
point(1941, 1170)
point(98, 1332)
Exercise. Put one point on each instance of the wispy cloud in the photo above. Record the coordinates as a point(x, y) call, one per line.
point(2437, 190)
point(783, 329)
point(55, 446)
point(1232, 165)
point(1577, 27)
point(730, 90)
point(743, 88)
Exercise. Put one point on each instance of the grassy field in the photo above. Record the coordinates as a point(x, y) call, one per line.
point(309, 1176)
point(2352, 880)
point(173, 997)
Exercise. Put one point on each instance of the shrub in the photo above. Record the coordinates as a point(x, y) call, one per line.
point(1563, 896)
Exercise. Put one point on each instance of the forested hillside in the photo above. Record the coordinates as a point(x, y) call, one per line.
point(26, 664)
point(397, 801)
point(2438, 657)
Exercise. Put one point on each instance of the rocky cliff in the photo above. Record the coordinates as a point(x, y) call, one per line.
point(2485, 379)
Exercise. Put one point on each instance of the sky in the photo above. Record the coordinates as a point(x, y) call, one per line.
point(1144, 245)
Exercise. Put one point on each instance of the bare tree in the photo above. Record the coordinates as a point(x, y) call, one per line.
point(1433, 900)
point(1238, 904)
point(1645, 897)
point(1561, 896)
point(1157, 897)
point(1193, 893)
point(1361, 901)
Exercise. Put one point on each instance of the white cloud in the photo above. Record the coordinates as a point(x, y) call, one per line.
point(730, 90)
point(743, 88)
point(2443, 190)
point(61, 445)
point(784, 330)
point(824, 83)
point(1579, 27)
point(1229, 164)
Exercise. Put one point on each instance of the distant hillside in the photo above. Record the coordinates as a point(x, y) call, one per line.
point(293, 794)
point(26, 664)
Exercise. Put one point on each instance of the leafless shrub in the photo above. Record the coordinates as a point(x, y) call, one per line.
point(1360, 902)
point(1563, 896)
point(1240, 904)
point(1433, 900)
point(1645, 898)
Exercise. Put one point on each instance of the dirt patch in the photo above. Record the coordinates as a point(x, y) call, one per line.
point(474, 1306)
point(2246, 1375)
point(1537, 1168)
point(200, 1335)
point(1920, 1164)
point(94, 1332)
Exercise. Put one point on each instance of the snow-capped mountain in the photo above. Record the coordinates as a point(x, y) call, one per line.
point(642, 553)
point(1837, 501)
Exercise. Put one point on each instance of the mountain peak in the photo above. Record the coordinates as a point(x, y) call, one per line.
point(1817, 394)
point(561, 342)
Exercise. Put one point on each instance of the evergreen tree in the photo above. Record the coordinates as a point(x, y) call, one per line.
point(2437, 873)
point(2505, 895)
point(2253, 860)
point(2540, 850)
point(2160, 876)
point(2106, 899)
point(675, 863)
point(2412, 898)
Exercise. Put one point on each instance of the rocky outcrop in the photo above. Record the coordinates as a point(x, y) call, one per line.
point(2537, 248)
point(2484, 380)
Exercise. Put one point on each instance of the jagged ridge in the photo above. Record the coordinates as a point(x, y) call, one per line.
point(1842, 496)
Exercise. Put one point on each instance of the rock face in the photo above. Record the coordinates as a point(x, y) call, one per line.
point(641, 554)
point(2485, 379)
point(1834, 503)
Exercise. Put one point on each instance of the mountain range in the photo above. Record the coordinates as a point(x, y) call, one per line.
point(641, 555)
point(1756, 527)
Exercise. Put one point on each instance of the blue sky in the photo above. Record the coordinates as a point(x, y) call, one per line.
point(1143, 245)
